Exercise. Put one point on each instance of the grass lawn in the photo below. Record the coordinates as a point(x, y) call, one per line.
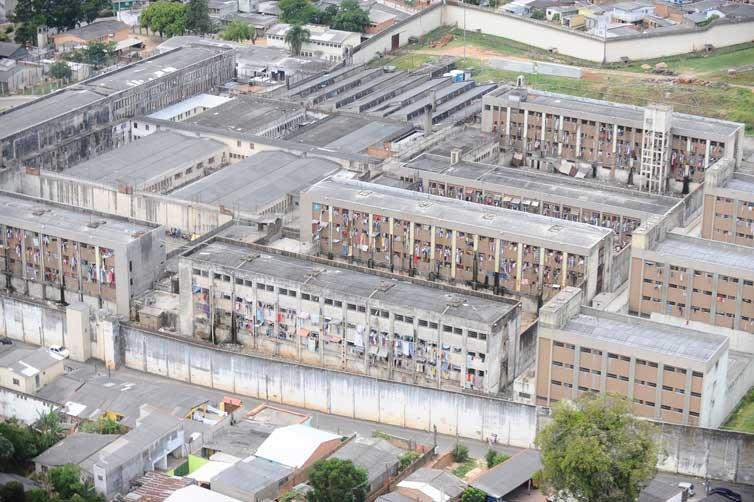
point(743, 418)
point(729, 103)
point(462, 470)
point(705, 63)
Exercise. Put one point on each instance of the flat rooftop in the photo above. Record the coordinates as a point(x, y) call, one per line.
point(68, 222)
point(135, 163)
point(352, 283)
point(346, 133)
point(639, 333)
point(741, 182)
point(456, 214)
point(545, 186)
point(619, 111)
point(716, 253)
point(245, 114)
point(98, 88)
point(257, 181)
point(200, 100)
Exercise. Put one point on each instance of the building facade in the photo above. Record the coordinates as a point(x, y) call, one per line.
point(728, 205)
point(626, 143)
point(692, 279)
point(324, 42)
point(59, 253)
point(344, 318)
point(620, 210)
point(671, 374)
point(453, 241)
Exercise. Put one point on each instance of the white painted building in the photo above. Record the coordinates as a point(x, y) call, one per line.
point(324, 43)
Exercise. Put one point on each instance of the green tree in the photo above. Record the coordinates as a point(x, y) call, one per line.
point(493, 458)
point(460, 453)
point(90, 9)
point(24, 441)
point(325, 16)
point(406, 459)
point(60, 71)
point(164, 17)
point(337, 480)
point(538, 14)
point(97, 54)
point(472, 494)
point(296, 37)
point(351, 17)
point(49, 430)
point(238, 31)
point(12, 492)
point(197, 17)
point(27, 19)
point(595, 450)
point(296, 11)
point(6, 452)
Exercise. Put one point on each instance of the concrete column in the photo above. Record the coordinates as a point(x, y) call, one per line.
point(576, 366)
point(519, 265)
point(78, 338)
point(498, 250)
point(391, 236)
point(110, 333)
point(476, 258)
point(465, 366)
point(564, 270)
point(687, 397)
point(432, 249)
point(689, 292)
point(631, 378)
point(541, 273)
point(658, 393)
point(526, 129)
point(664, 290)
point(615, 138)
point(97, 270)
point(332, 229)
point(560, 138)
point(411, 245)
point(453, 253)
point(507, 123)
point(578, 141)
point(603, 369)
point(706, 153)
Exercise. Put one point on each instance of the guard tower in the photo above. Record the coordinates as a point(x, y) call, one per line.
point(655, 151)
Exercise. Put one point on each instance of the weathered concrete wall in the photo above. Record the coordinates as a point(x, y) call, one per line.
point(536, 67)
point(31, 322)
point(548, 36)
point(332, 392)
point(24, 407)
point(716, 454)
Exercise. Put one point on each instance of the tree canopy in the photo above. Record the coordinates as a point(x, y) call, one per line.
point(297, 11)
point(296, 37)
point(472, 494)
point(337, 480)
point(238, 31)
point(164, 17)
point(197, 17)
point(97, 54)
point(350, 17)
point(595, 450)
point(60, 14)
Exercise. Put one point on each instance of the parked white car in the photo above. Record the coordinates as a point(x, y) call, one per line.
point(59, 350)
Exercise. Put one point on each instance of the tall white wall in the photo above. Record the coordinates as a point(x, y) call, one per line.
point(548, 36)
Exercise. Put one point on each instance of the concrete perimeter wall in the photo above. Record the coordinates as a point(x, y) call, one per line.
point(330, 391)
point(689, 451)
point(548, 36)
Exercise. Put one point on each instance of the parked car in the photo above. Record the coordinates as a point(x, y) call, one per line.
point(60, 351)
point(687, 487)
point(6, 341)
point(727, 493)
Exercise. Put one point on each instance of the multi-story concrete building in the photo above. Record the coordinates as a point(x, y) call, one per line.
point(59, 253)
point(619, 209)
point(692, 279)
point(70, 125)
point(670, 373)
point(323, 43)
point(728, 205)
point(652, 147)
point(301, 309)
point(453, 240)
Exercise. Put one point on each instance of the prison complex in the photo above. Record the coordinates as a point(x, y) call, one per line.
point(452, 240)
point(652, 147)
point(69, 125)
point(344, 318)
point(59, 253)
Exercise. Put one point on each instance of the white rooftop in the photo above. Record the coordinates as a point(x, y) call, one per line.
point(293, 445)
point(194, 493)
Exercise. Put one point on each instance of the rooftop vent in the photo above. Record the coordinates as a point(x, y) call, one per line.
point(40, 212)
point(555, 229)
point(365, 193)
point(455, 301)
point(424, 203)
point(384, 286)
point(488, 216)
point(95, 224)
